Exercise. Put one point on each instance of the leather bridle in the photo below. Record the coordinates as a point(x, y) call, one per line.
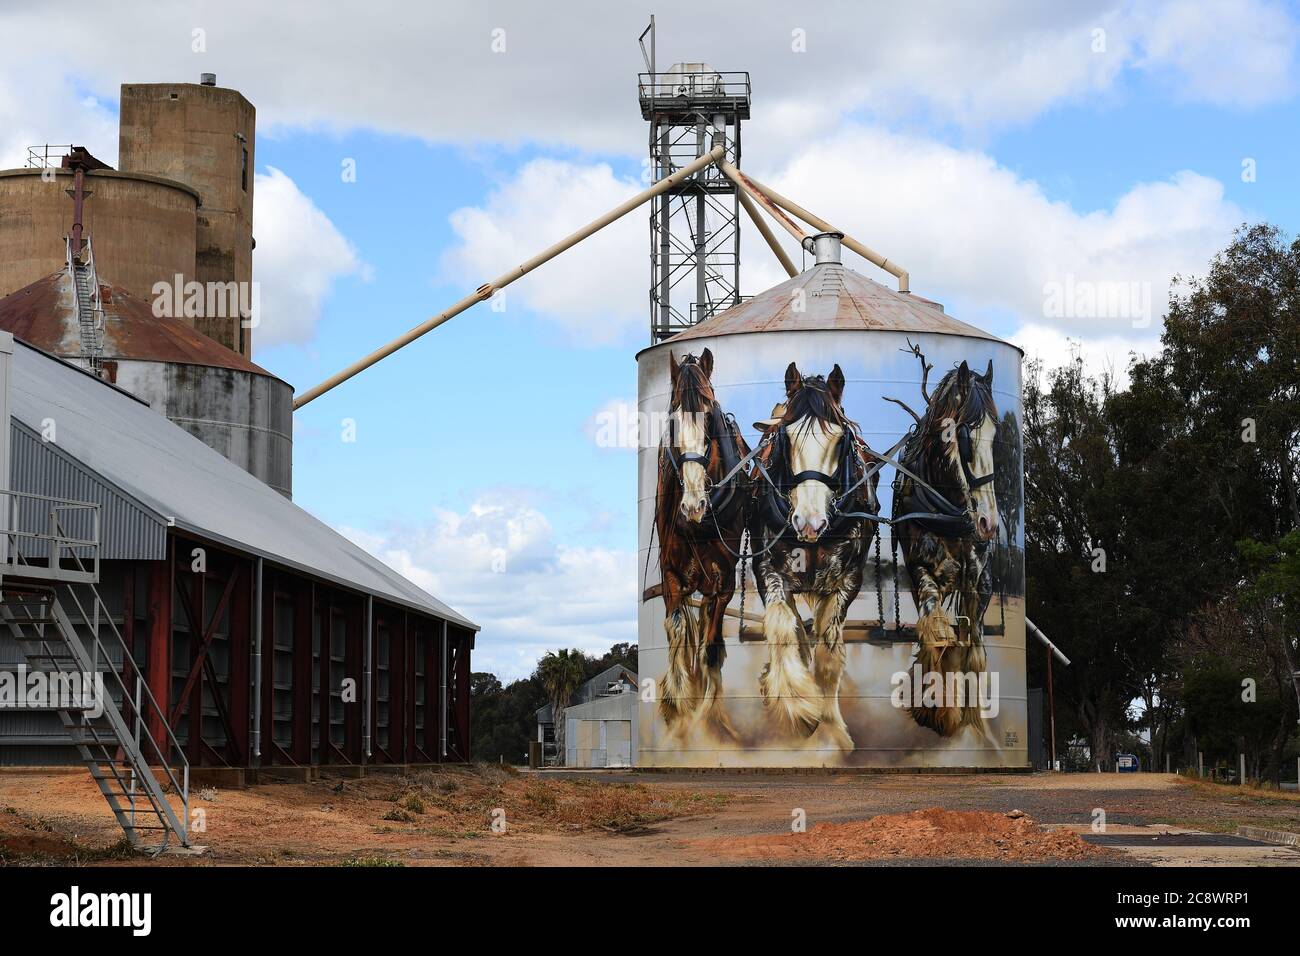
point(927, 506)
point(719, 433)
point(775, 502)
point(964, 454)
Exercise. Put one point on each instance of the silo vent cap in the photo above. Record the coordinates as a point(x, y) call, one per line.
point(207, 79)
point(825, 246)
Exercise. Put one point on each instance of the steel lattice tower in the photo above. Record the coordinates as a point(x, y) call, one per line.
point(694, 227)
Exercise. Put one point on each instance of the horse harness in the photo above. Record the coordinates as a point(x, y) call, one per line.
point(964, 453)
point(721, 431)
point(922, 503)
point(774, 500)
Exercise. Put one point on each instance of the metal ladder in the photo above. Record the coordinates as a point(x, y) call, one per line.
point(116, 746)
point(85, 290)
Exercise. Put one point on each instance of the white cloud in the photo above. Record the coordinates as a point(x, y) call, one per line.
point(499, 564)
point(1226, 52)
point(977, 236)
point(596, 291)
point(972, 233)
point(566, 74)
point(38, 108)
point(1101, 355)
point(299, 256)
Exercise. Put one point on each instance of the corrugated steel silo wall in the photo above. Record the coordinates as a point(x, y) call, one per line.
point(748, 379)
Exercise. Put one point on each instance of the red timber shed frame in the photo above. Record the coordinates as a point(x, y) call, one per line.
point(267, 639)
point(338, 678)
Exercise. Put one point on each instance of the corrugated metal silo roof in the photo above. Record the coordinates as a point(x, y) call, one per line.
point(42, 314)
point(834, 298)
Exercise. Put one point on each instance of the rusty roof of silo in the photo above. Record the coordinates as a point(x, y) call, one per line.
point(42, 314)
point(834, 298)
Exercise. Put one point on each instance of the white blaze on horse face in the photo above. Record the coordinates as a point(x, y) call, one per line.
point(813, 447)
point(985, 500)
point(692, 436)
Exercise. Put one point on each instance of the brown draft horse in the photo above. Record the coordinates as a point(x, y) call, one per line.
point(699, 523)
point(946, 548)
point(811, 528)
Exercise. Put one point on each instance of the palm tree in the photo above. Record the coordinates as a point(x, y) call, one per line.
point(561, 673)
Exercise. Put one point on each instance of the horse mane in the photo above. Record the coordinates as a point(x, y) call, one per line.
point(947, 404)
point(813, 403)
point(694, 391)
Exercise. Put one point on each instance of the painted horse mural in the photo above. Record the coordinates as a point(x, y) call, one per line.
point(946, 520)
point(700, 521)
point(810, 530)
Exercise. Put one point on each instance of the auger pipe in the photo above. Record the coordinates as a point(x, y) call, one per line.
point(1032, 628)
point(765, 230)
point(747, 187)
point(486, 290)
point(875, 258)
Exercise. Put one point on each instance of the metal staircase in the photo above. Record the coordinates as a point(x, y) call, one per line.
point(87, 302)
point(120, 733)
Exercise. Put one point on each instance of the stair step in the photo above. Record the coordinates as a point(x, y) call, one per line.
point(51, 644)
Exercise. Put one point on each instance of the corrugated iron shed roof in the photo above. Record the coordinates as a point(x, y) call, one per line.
point(834, 298)
point(590, 689)
point(168, 470)
point(42, 315)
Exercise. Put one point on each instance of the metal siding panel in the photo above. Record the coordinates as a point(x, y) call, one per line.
point(38, 757)
point(174, 476)
point(128, 531)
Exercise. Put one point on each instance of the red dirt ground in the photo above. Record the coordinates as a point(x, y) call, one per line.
point(970, 835)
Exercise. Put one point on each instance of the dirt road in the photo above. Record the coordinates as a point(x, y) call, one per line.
point(447, 818)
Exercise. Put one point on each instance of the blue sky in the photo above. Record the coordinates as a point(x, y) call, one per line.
point(990, 151)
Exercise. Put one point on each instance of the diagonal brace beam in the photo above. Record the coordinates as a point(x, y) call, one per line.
point(208, 633)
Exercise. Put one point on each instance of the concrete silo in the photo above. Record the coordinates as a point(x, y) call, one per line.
point(143, 274)
point(824, 317)
point(217, 395)
point(144, 226)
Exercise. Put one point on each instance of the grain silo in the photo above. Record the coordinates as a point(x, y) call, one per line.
point(796, 610)
point(876, 351)
point(216, 394)
point(143, 274)
point(145, 472)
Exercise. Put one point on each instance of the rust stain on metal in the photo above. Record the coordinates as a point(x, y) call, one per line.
point(758, 196)
point(41, 314)
point(833, 297)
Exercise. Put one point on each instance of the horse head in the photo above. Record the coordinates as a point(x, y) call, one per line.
point(962, 421)
point(818, 447)
point(702, 446)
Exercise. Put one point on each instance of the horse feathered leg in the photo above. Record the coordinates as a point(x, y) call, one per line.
point(828, 665)
point(786, 684)
point(678, 692)
point(713, 712)
point(937, 655)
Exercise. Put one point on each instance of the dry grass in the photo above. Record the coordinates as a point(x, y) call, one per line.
point(1251, 791)
point(27, 838)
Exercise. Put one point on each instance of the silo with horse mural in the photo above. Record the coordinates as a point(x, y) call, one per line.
point(831, 535)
